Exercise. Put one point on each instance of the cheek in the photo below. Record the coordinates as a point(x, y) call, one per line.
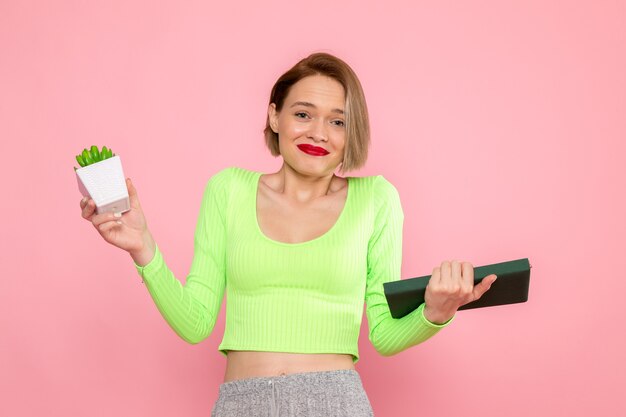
point(340, 143)
point(297, 129)
point(291, 128)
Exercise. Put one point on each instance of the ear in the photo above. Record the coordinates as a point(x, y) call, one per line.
point(272, 116)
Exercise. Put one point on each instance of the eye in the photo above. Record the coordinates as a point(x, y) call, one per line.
point(301, 115)
point(339, 123)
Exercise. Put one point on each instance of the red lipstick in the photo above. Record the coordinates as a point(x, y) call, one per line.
point(313, 150)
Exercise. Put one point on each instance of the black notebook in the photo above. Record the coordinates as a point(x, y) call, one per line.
point(511, 287)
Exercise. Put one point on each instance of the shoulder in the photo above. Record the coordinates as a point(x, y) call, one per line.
point(377, 195)
point(377, 186)
point(230, 172)
point(383, 185)
point(226, 183)
point(230, 176)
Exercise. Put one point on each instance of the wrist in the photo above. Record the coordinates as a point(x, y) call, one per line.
point(143, 255)
point(437, 317)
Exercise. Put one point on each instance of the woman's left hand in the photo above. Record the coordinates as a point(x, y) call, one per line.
point(451, 286)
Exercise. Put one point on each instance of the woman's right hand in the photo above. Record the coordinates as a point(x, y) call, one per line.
point(129, 231)
point(451, 286)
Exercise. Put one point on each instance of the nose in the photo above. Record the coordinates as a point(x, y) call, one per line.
point(318, 131)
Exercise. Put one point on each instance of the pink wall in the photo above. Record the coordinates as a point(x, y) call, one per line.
point(501, 125)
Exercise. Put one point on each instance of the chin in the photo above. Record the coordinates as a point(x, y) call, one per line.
point(313, 170)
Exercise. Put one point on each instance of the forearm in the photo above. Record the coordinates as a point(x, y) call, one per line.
point(392, 335)
point(191, 310)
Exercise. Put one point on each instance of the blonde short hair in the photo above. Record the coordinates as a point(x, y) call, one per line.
point(355, 111)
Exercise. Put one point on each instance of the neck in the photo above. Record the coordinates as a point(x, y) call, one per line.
point(303, 188)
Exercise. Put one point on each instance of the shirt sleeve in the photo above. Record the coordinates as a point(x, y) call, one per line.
point(387, 334)
point(191, 310)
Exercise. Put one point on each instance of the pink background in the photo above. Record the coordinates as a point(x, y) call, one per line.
point(501, 124)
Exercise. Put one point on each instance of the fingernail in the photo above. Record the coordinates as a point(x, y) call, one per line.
point(83, 200)
point(118, 215)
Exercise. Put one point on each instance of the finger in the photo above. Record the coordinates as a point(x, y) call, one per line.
point(468, 275)
point(106, 226)
point(455, 271)
point(99, 219)
point(446, 272)
point(457, 280)
point(83, 202)
point(483, 286)
point(132, 193)
point(436, 276)
point(88, 210)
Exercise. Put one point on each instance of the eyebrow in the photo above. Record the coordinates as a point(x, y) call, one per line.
point(307, 104)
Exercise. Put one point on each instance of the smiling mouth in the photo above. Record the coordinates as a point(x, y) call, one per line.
point(313, 150)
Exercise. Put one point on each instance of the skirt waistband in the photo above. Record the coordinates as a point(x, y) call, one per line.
point(309, 380)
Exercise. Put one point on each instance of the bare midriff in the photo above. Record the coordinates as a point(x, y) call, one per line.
point(250, 364)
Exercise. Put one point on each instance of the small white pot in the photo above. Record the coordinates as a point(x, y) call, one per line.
point(105, 183)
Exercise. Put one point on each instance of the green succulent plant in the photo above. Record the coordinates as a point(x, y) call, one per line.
point(93, 155)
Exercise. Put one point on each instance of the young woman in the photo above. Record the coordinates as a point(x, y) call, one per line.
point(297, 251)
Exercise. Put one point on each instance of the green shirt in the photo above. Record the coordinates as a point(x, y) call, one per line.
point(290, 297)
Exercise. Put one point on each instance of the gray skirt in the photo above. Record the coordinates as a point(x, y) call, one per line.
point(335, 393)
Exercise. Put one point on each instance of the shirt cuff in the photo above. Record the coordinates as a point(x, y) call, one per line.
point(147, 271)
point(429, 323)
